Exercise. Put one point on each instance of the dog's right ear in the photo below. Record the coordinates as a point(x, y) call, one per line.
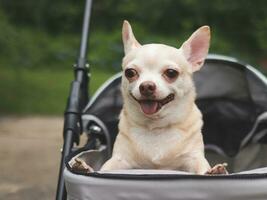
point(129, 41)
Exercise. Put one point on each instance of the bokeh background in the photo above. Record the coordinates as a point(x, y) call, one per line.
point(39, 42)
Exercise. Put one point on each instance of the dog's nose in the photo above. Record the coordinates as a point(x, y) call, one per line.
point(147, 88)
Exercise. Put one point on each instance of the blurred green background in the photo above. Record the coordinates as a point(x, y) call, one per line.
point(39, 41)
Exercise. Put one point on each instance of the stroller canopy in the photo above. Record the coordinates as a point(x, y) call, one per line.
point(231, 95)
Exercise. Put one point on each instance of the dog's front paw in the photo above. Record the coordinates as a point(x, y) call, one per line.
point(81, 166)
point(218, 169)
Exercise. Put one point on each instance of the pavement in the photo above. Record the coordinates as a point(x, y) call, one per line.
point(30, 155)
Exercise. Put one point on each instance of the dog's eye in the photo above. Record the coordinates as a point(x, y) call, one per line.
point(171, 74)
point(131, 74)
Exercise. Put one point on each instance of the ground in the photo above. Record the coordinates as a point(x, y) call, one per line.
point(29, 154)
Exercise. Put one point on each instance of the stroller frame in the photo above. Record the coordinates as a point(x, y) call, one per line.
point(77, 100)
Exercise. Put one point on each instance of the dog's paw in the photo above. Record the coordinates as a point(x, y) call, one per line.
point(218, 169)
point(81, 166)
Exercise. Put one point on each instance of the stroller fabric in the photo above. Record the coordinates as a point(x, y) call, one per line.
point(232, 97)
point(162, 184)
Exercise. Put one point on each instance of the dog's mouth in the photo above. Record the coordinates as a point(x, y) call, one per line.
point(152, 106)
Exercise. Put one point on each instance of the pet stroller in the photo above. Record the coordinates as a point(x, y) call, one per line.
point(232, 97)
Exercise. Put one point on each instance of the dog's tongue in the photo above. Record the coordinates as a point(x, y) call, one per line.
point(149, 107)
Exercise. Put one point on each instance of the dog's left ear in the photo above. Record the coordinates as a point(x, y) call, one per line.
point(129, 41)
point(196, 47)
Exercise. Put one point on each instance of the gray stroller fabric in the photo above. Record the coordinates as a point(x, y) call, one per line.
point(232, 98)
point(230, 95)
point(168, 184)
point(89, 188)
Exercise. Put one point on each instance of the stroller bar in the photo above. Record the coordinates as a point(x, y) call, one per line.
point(68, 143)
point(85, 31)
point(82, 67)
point(77, 100)
point(72, 120)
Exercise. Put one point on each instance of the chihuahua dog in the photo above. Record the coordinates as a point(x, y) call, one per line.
point(160, 124)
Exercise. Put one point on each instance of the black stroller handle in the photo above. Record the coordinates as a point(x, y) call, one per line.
point(77, 100)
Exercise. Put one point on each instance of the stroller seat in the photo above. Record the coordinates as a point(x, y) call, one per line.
point(232, 98)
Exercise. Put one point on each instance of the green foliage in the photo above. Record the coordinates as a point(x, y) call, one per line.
point(241, 23)
point(42, 91)
point(24, 47)
point(45, 15)
point(39, 40)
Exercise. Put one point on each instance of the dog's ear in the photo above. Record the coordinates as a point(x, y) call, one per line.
point(128, 38)
point(196, 47)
